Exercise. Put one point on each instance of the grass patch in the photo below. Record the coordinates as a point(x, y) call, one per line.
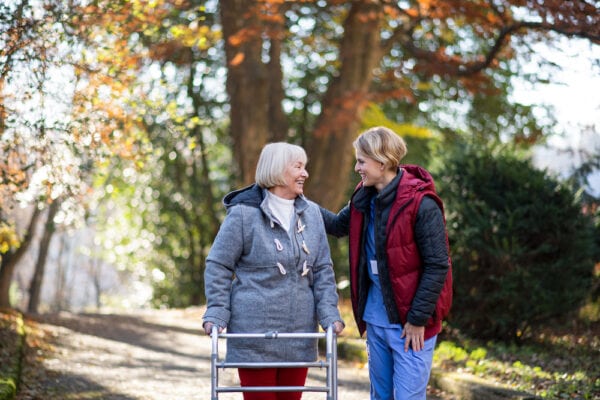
point(560, 362)
point(554, 364)
point(8, 388)
point(12, 334)
point(350, 346)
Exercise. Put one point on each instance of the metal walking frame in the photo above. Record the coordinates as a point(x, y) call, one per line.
point(330, 363)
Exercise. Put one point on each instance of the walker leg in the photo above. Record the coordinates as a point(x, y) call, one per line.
point(331, 363)
point(334, 375)
point(331, 356)
point(214, 377)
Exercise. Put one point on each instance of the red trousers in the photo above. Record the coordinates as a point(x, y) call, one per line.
point(272, 377)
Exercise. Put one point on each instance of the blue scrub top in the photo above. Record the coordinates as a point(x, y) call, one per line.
point(375, 312)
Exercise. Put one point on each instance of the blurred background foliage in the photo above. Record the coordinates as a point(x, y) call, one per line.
point(135, 118)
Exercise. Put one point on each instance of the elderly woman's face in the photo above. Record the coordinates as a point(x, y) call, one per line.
point(295, 175)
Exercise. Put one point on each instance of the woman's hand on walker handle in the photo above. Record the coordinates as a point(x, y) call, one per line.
point(208, 328)
point(338, 327)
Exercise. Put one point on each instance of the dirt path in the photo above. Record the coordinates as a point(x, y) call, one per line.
point(154, 355)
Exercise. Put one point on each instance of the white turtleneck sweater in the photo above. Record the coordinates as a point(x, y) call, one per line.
point(282, 209)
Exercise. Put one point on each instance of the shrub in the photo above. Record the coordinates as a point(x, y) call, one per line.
point(522, 250)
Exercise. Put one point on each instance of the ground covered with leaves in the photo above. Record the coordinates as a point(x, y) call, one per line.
point(559, 362)
point(139, 354)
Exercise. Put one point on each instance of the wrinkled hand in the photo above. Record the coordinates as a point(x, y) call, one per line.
point(208, 328)
point(338, 327)
point(415, 336)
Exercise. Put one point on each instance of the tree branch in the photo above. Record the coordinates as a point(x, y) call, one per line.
point(467, 68)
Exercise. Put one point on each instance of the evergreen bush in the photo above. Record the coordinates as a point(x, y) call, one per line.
point(522, 250)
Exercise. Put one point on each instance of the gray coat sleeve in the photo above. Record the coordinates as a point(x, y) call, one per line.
point(220, 264)
point(430, 235)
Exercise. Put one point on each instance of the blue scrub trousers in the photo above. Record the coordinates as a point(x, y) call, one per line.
point(395, 374)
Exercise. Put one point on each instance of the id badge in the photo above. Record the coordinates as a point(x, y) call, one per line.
point(374, 267)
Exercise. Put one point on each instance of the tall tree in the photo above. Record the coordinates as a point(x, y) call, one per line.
point(12, 256)
point(381, 50)
point(49, 142)
point(19, 45)
point(35, 287)
point(163, 94)
point(300, 71)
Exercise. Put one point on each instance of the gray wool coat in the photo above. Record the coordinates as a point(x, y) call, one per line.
point(260, 278)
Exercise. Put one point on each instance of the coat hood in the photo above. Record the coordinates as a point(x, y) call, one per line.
point(252, 195)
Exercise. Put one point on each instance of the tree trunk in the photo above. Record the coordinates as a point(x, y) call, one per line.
point(330, 148)
point(246, 83)
point(278, 122)
point(38, 274)
point(255, 91)
point(58, 303)
point(255, 95)
point(10, 260)
point(3, 113)
point(59, 283)
point(96, 275)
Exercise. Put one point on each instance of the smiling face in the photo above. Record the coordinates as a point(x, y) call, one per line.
point(295, 175)
point(379, 152)
point(370, 171)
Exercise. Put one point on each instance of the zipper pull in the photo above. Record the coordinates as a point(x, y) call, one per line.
point(278, 245)
point(281, 268)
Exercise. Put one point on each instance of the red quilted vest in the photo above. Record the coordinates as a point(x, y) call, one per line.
point(403, 258)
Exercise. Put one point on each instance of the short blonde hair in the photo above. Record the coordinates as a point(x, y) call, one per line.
point(382, 145)
point(274, 159)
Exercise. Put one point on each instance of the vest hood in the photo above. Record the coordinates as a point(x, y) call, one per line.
point(418, 176)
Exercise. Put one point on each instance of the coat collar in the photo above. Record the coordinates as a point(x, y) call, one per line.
point(255, 196)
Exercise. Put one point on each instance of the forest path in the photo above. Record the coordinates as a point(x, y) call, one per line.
point(149, 354)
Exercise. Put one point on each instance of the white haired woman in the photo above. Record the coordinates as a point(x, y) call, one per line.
point(270, 269)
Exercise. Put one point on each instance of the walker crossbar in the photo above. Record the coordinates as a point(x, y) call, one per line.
point(271, 389)
point(274, 335)
point(330, 363)
point(317, 364)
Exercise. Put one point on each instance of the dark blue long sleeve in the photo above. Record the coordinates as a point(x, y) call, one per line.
point(338, 224)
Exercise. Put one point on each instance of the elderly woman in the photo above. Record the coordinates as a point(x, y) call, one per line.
point(270, 269)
